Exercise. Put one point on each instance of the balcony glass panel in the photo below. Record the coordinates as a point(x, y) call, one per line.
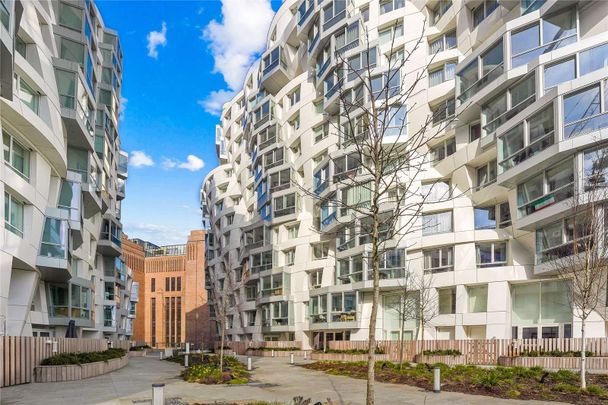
point(593, 59)
point(54, 239)
point(70, 199)
point(595, 169)
point(546, 189)
point(560, 72)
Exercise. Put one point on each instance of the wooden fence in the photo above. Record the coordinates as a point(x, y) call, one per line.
point(19, 355)
point(481, 351)
point(240, 348)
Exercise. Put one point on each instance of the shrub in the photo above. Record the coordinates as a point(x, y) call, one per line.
point(596, 390)
point(553, 353)
point(139, 348)
point(206, 371)
point(447, 352)
point(276, 349)
point(65, 359)
point(567, 388)
point(487, 379)
point(353, 351)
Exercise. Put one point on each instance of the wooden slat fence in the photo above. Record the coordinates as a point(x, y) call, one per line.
point(478, 351)
point(19, 355)
point(240, 348)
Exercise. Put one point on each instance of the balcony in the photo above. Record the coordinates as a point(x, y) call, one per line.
point(54, 259)
point(109, 243)
point(76, 115)
point(473, 89)
point(327, 221)
point(91, 193)
point(305, 10)
point(334, 20)
point(122, 164)
point(274, 71)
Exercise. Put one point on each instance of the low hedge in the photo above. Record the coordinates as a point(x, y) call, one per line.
point(553, 353)
point(276, 349)
point(352, 351)
point(65, 359)
point(139, 348)
point(446, 352)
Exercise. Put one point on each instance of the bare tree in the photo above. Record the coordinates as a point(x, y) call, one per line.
point(378, 178)
point(406, 307)
point(428, 307)
point(582, 262)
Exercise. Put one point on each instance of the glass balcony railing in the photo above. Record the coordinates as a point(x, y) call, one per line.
point(323, 67)
point(305, 12)
point(585, 126)
point(328, 220)
point(334, 20)
point(560, 194)
point(481, 83)
point(535, 147)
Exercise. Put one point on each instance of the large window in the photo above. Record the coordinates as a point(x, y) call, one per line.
point(540, 304)
point(440, 222)
point(443, 150)
point(70, 17)
point(436, 191)
point(552, 186)
point(442, 74)
point(525, 140)
point(317, 308)
point(486, 174)
point(80, 306)
point(443, 43)
point(491, 254)
point(478, 298)
point(285, 205)
point(439, 260)
point(59, 300)
point(444, 111)
point(13, 214)
point(392, 264)
point(392, 121)
point(29, 96)
point(386, 84)
point(447, 300)
point(71, 50)
point(482, 11)
point(333, 13)
point(390, 34)
point(560, 72)
point(439, 10)
point(545, 36)
point(386, 6)
point(481, 71)
point(593, 59)
point(595, 168)
point(349, 270)
point(16, 155)
point(344, 307)
point(54, 238)
point(561, 238)
point(358, 64)
point(485, 217)
point(505, 106)
point(346, 167)
point(583, 112)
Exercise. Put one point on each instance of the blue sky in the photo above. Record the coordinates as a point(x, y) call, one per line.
point(182, 59)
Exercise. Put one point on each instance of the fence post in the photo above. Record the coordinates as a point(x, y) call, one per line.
point(158, 394)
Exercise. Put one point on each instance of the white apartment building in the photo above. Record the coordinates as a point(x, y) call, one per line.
point(63, 177)
point(526, 83)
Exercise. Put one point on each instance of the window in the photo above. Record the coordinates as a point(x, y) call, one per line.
point(79, 302)
point(528, 6)
point(333, 13)
point(527, 139)
point(486, 174)
point(280, 180)
point(552, 186)
point(315, 278)
point(5, 16)
point(386, 84)
point(392, 122)
point(440, 222)
point(321, 132)
point(444, 111)
point(491, 254)
point(593, 59)
point(478, 298)
point(70, 17)
point(482, 11)
point(16, 155)
point(290, 256)
point(392, 264)
point(557, 31)
point(318, 308)
point(153, 285)
point(485, 218)
point(595, 168)
point(292, 231)
point(179, 284)
point(13, 214)
point(439, 260)
point(507, 105)
point(59, 299)
point(560, 72)
point(447, 300)
point(321, 179)
point(54, 238)
point(320, 250)
point(285, 205)
point(386, 6)
point(29, 96)
point(443, 150)
point(344, 307)
point(582, 112)
point(349, 270)
point(436, 191)
point(471, 79)
point(390, 34)
point(21, 46)
point(346, 238)
point(359, 63)
point(541, 303)
point(346, 167)
point(443, 43)
point(365, 13)
point(474, 131)
point(504, 213)
point(167, 284)
point(439, 10)
point(294, 97)
point(251, 292)
point(442, 74)
point(561, 238)
point(72, 51)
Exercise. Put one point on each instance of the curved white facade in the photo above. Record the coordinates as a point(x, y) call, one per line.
point(509, 71)
point(63, 177)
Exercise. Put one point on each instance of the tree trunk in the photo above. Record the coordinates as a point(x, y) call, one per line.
point(222, 347)
point(402, 326)
point(371, 350)
point(583, 357)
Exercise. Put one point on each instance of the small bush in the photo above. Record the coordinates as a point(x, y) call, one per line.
point(447, 352)
point(276, 349)
point(207, 371)
point(139, 348)
point(596, 390)
point(353, 351)
point(553, 353)
point(567, 388)
point(65, 359)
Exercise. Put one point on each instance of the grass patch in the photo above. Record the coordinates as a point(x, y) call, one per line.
point(522, 383)
point(65, 359)
point(204, 369)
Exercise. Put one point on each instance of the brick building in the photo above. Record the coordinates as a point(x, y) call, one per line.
point(173, 293)
point(134, 257)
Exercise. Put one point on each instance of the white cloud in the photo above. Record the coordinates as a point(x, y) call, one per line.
point(157, 234)
point(192, 163)
point(156, 38)
point(140, 159)
point(215, 100)
point(235, 43)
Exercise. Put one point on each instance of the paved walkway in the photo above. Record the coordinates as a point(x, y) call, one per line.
point(274, 380)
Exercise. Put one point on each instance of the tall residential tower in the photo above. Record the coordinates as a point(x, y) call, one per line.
point(526, 84)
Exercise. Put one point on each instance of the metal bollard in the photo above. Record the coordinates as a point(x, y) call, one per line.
point(291, 358)
point(158, 394)
point(248, 363)
point(162, 354)
point(186, 360)
point(437, 380)
point(272, 353)
point(305, 355)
